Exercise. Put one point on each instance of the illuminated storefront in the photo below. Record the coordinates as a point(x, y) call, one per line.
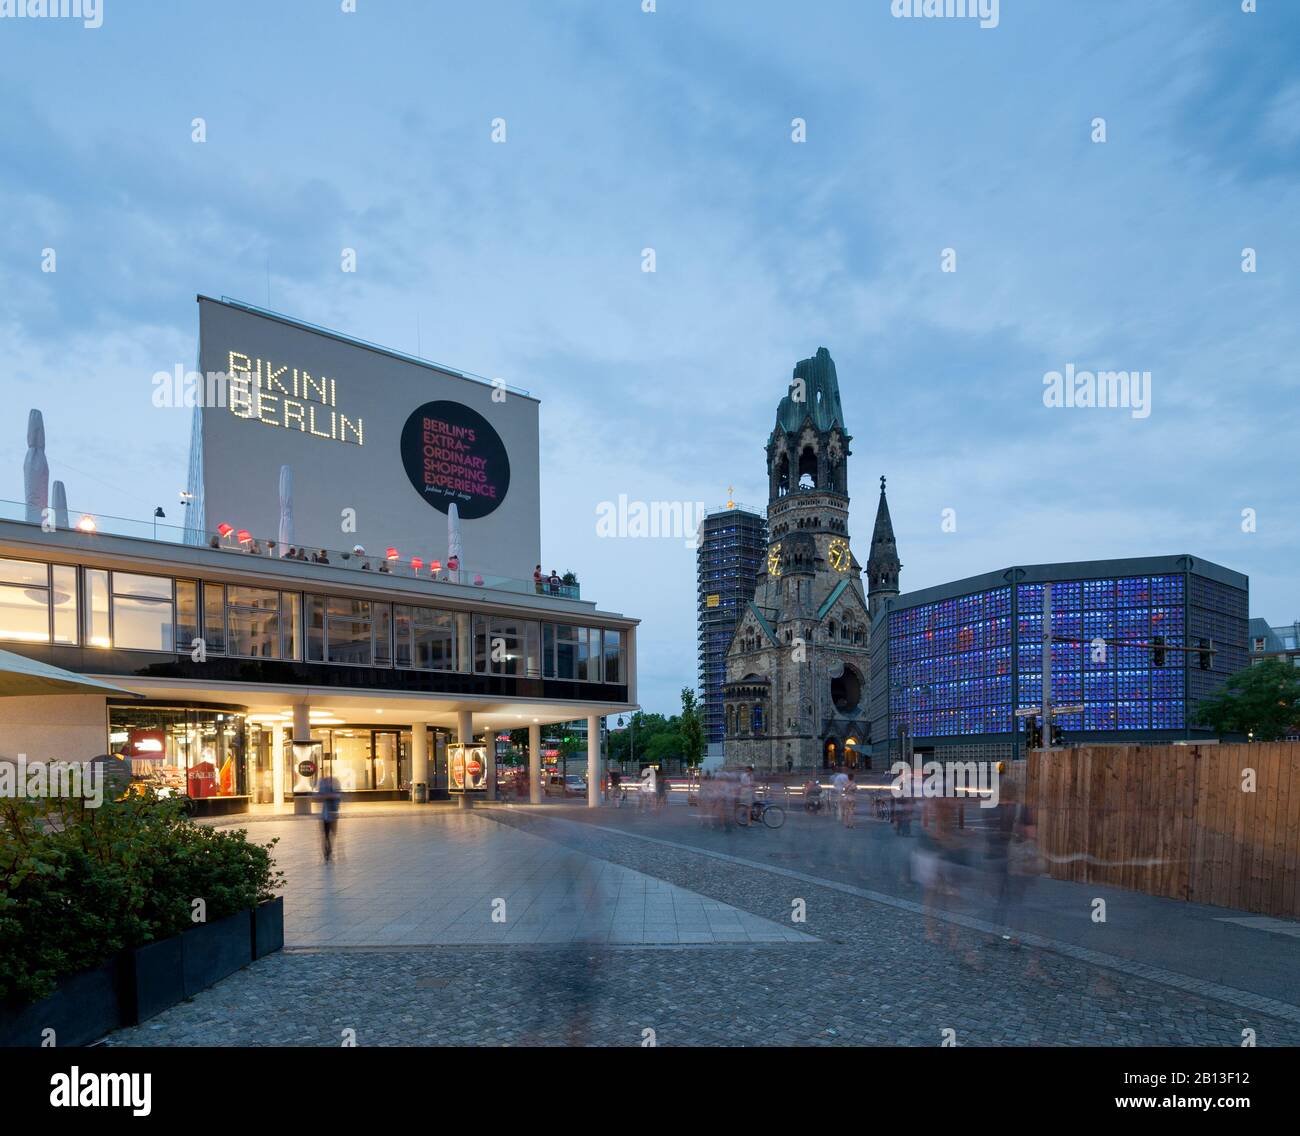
point(181, 751)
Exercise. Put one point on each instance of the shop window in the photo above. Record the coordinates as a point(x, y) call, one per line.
point(181, 752)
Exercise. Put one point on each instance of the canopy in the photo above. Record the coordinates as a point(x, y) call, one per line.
point(20, 675)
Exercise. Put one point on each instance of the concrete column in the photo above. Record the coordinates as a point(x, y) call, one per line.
point(534, 765)
point(277, 764)
point(419, 755)
point(302, 724)
point(593, 762)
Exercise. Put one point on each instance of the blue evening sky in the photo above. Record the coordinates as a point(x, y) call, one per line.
point(672, 130)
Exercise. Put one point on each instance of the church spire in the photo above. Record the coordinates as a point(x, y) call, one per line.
point(883, 566)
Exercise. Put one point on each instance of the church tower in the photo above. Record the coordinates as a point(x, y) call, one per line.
point(882, 563)
point(798, 666)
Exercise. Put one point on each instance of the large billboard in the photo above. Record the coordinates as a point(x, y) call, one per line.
point(380, 446)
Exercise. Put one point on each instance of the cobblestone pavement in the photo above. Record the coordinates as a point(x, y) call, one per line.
point(874, 977)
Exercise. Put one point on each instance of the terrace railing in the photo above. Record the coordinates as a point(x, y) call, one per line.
point(388, 560)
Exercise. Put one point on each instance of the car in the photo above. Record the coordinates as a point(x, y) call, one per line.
point(571, 785)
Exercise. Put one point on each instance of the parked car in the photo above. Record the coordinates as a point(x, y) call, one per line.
point(572, 785)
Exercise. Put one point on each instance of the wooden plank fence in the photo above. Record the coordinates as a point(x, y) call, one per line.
point(1174, 821)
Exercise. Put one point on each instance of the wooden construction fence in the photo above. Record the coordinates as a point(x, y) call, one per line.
point(1173, 820)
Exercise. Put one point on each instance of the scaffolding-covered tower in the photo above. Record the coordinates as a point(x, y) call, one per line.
point(733, 546)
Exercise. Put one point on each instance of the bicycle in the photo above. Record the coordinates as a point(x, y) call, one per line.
point(773, 816)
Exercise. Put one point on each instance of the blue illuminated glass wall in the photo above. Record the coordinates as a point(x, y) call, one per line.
point(961, 666)
point(951, 664)
point(1116, 683)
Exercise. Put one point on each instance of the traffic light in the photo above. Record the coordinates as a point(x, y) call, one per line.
point(1032, 738)
point(1158, 652)
point(1203, 656)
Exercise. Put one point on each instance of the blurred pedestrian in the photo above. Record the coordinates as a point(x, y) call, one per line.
point(330, 797)
point(849, 801)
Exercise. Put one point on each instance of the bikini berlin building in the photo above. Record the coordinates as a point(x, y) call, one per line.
point(350, 592)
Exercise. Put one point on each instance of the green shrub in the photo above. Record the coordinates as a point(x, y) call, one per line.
point(77, 885)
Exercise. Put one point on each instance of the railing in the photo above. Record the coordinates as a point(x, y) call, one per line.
point(243, 543)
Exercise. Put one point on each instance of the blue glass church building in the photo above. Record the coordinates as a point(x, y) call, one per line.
point(952, 664)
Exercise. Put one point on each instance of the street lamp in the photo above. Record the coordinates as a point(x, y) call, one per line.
point(157, 513)
point(631, 739)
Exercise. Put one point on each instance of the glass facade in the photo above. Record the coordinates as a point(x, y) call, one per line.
point(731, 556)
point(951, 665)
point(961, 666)
point(39, 603)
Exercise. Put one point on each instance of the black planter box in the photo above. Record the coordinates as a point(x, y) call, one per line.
point(213, 951)
point(139, 984)
point(152, 980)
point(82, 1009)
point(268, 927)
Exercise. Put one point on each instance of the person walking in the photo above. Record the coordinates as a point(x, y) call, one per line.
point(330, 800)
point(849, 801)
point(838, 781)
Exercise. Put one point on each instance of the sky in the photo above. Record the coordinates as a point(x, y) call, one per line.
point(674, 130)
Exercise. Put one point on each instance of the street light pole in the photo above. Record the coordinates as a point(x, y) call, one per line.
point(1046, 701)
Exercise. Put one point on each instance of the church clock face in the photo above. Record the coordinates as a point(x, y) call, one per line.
point(774, 560)
point(839, 556)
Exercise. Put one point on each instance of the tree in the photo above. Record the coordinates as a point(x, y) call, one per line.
point(641, 730)
point(1263, 701)
point(691, 729)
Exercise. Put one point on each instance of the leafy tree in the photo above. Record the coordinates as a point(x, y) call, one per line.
point(691, 729)
point(1263, 700)
point(642, 729)
point(661, 748)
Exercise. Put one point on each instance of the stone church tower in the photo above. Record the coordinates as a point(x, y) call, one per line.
point(799, 664)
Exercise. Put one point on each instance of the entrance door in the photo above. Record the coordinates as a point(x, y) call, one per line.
point(259, 762)
point(386, 748)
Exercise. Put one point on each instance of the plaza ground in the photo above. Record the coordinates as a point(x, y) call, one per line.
point(516, 925)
